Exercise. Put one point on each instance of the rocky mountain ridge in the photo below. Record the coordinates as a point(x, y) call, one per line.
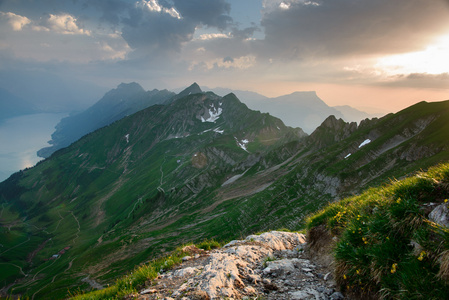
point(125, 100)
point(273, 265)
point(299, 109)
point(202, 166)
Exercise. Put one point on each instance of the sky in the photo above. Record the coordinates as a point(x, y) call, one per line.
point(381, 54)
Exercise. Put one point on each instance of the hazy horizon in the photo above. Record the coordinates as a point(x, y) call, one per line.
point(386, 54)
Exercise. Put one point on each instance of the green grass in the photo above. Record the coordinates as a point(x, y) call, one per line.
point(209, 244)
point(387, 247)
point(140, 276)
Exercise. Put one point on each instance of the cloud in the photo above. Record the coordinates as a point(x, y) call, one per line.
point(63, 24)
point(154, 28)
point(57, 37)
point(16, 22)
point(212, 13)
point(419, 80)
point(238, 63)
point(298, 29)
point(210, 36)
point(156, 31)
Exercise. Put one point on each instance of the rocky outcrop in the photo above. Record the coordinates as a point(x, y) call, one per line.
point(271, 265)
point(440, 215)
point(331, 131)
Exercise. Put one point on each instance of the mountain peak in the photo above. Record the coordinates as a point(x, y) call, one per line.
point(132, 86)
point(192, 89)
point(332, 130)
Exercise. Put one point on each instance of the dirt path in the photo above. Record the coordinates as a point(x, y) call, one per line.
point(132, 210)
point(79, 227)
point(59, 222)
point(19, 267)
point(15, 246)
point(271, 266)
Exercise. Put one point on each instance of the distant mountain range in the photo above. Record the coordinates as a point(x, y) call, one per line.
point(197, 166)
point(300, 109)
point(125, 100)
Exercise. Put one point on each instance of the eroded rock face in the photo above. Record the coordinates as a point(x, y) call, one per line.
point(269, 265)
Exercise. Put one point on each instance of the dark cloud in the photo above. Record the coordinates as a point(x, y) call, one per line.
point(345, 27)
point(421, 80)
point(228, 59)
point(157, 31)
point(153, 28)
point(212, 13)
point(110, 10)
point(245, 33)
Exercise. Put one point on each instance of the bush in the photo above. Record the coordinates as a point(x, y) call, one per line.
point(387, 247)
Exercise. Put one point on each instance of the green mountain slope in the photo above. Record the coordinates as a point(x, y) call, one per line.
point(201, 166)
point(125, 100)
point(124, 193)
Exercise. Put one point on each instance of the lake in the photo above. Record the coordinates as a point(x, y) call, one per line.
point(21, 137)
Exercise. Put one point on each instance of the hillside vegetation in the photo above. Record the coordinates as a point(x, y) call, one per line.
point(383, 242)
point(199, 167)
point(387, 243)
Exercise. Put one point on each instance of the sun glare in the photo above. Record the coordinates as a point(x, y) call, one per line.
point(433, 60)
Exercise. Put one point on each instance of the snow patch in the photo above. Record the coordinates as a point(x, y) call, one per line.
point(365, 142)
point(207, 130)
point(127, 138)
point(214, 114)
point(242, 144)
point(217, 130)
point(348, 155)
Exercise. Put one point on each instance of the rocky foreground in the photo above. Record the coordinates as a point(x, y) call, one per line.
point(273, 265)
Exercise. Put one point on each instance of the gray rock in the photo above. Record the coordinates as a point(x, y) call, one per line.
point(148, 291)
point(189, 271)
point(299, 295)
point(307, 269)
point(440, 215)
point(328, 291)
point(300, 247)
point(337, 296)
point(328, 276)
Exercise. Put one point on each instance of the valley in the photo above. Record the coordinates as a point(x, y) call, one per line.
point(198, 166)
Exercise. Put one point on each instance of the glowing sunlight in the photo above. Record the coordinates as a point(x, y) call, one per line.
point(433, 60)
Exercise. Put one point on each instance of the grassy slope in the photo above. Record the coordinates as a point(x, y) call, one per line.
point(102, 200)
point(139, 222)
point(387, 246)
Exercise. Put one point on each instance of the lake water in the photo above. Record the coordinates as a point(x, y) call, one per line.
point(21, 137)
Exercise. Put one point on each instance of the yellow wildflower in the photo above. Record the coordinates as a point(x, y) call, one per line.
point(393, 268)
point(422, 255)
point(344, 276)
